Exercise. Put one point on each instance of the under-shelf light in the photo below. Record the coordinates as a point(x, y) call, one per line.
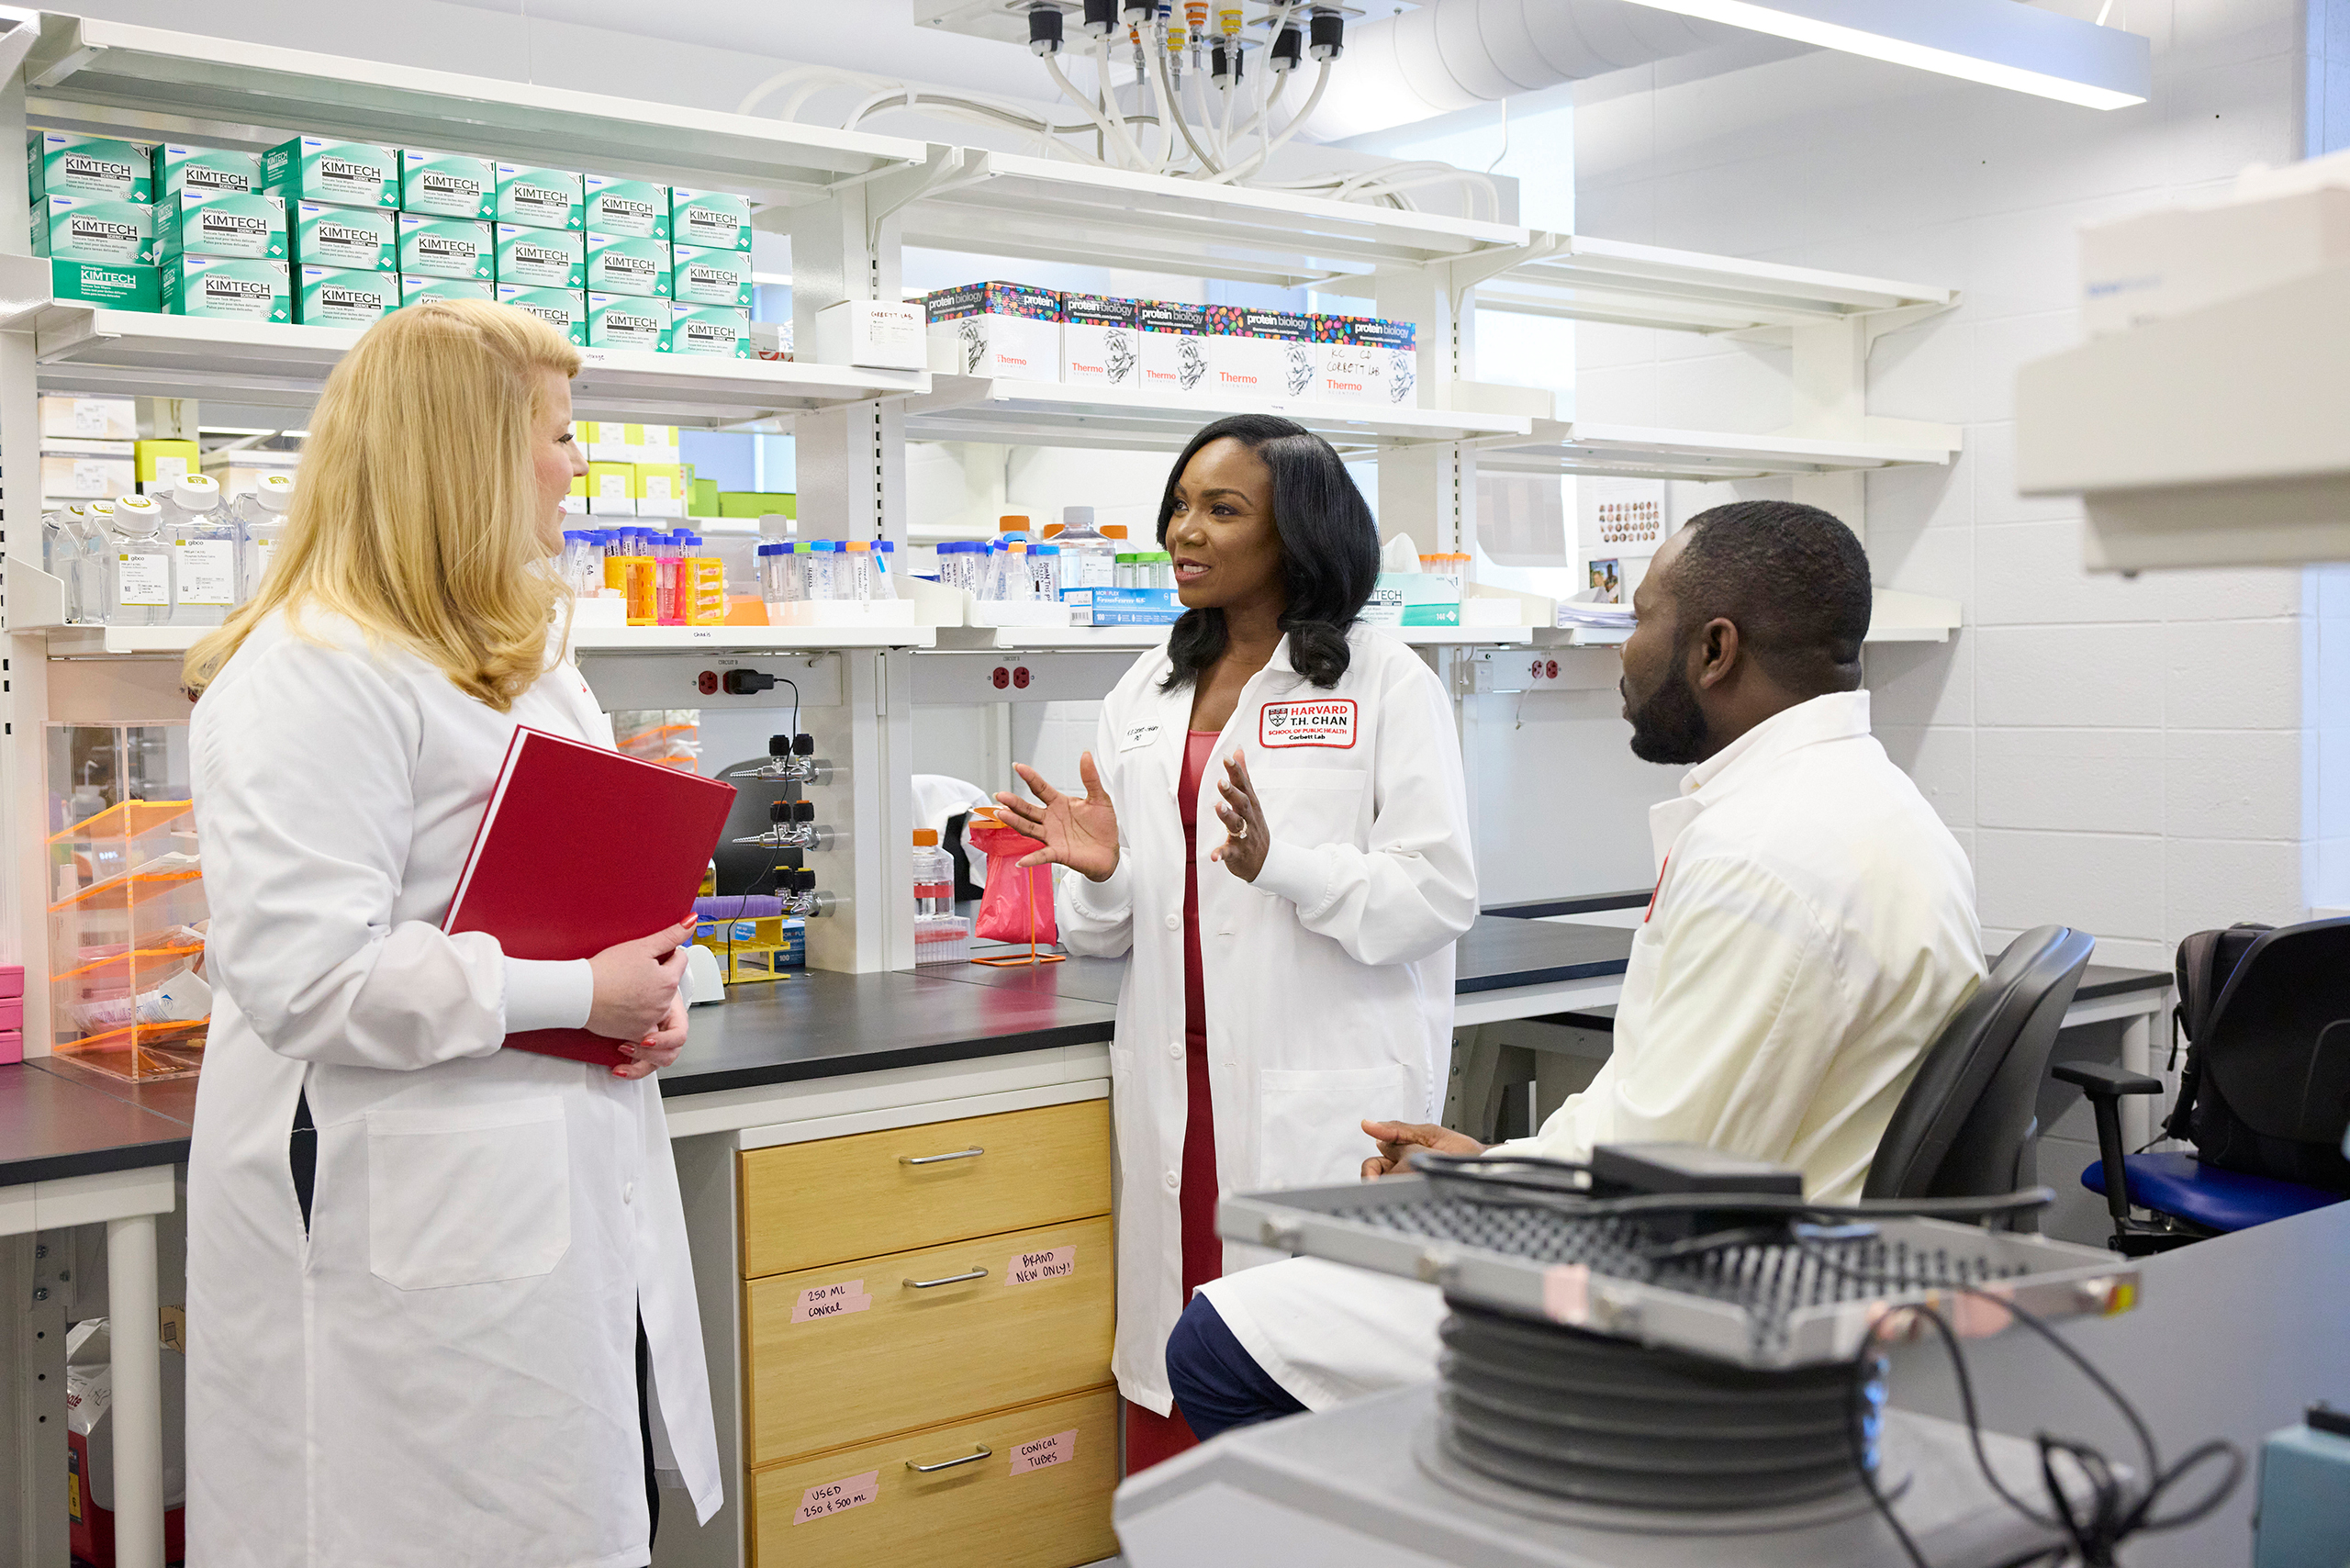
point(2000, 43)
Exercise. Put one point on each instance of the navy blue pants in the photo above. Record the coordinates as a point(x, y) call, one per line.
point(1217, 1384)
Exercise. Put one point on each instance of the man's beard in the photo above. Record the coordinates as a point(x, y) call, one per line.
point(1669, 727)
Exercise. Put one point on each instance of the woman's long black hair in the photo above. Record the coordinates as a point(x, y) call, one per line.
point(1329, 549)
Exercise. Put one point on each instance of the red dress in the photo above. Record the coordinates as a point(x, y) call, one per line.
point(1150, 1438)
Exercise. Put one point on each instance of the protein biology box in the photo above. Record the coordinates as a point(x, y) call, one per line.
point(1172, 345)
point(1098, 345)
point(996, 329)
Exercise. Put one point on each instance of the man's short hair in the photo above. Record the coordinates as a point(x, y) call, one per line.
point(1792, 579)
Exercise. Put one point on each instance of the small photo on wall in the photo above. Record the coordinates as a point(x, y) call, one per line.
point(1607, 577)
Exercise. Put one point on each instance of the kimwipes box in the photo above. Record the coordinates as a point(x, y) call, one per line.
point(1098, 340)
point(996, 329)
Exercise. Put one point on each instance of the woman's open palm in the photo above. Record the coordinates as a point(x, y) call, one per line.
point(1078, 832)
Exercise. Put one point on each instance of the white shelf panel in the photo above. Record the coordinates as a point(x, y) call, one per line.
point(1083, 638)
point(1647, 285)
point(91, 641)
point(123, 351)
point(1048, 413)
point(1003, 205)
point(84, 72)
point(1897, 617)
point(1576, 446)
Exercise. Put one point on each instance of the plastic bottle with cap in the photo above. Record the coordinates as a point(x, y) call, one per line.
point(138, 571)
point(204, 549)
point(259, 516)
point(934, 874)
point(1089, 558)
point(859, 563)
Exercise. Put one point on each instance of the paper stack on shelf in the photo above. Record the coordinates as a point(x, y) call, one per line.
point(1579, 612)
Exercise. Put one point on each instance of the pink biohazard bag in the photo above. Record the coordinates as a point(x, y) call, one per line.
point(1016, 905)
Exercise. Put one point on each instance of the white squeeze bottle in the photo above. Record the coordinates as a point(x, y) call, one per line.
point(138, 571)
point(260, 517)
point(203, 550)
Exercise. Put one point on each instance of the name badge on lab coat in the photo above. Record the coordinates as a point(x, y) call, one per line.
point(1137, 736)
point(1323, 721)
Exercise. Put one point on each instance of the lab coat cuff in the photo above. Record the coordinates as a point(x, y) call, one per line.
point(1108, 901)
point(542, 994)
point(1297, 874)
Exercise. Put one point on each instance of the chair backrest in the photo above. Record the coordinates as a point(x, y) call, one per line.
point(2279, 1041)
point(1966, 1125)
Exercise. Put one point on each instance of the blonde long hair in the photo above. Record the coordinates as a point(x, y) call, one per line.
point(417, 514)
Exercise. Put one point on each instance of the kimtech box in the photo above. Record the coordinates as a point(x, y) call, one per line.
point(1172, 345)
point(447, 185)
point(717, 331)
point(996, 329)
point(710, 278)
point(637, 208)
point(628, 322)
point(564, 309)
point(83, 229)
point(618, 264)
point(445, 247)
point(206, 168)
point(414, 290)
point(106, 284)
point(59, 163)
point(227, 288)
point(221, 223)
point(709, 221)
point(331, 297)
point(540, 198)
point(540, 258)
point(343, 239)
point(340, 173)
point(1098, 340)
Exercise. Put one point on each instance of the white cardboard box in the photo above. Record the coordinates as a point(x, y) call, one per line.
point(1171, 346)
point(873, 335)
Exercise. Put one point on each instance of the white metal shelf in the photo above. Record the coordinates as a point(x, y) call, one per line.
point(1051, 413)
point(93, 641)
point(1584, 279)
point(1080, 639)
point(1635, 452)
point(86, 72)
point(127, 352)
point(1897, 617)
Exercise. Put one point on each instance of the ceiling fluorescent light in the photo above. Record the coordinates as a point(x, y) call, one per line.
point(2000, 43)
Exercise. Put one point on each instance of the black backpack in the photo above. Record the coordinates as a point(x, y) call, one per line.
point(2202, 1115)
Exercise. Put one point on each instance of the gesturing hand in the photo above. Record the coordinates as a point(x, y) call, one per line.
point(1081, 834)
point(1397, 1140)
point(1242, 854)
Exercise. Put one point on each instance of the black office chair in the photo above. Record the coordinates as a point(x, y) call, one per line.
point(2276, 1050)
point(1967, 1126)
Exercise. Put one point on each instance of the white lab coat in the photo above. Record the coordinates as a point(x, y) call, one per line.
point(444, 1371)
point(1328, 981)
point(1813, 930)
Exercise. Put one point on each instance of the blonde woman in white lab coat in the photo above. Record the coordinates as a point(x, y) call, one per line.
point(1274, 826)
point(414, 1333)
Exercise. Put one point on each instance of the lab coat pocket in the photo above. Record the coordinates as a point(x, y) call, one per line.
point(467, 1194)
point(1310, 1121)
point(1310, 806)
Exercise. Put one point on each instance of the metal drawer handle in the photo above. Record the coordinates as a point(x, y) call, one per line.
point(949, 1280)
point(950, 1464)
point(935, 1158)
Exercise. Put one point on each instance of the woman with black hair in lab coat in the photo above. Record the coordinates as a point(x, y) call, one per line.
point(1274, 826)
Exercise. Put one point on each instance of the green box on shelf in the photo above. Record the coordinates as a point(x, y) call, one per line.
point(540, 258)
point(628, 322)
point(208, 170)
point(564, 309)
point(638, 209)
point(709, 221)
point(447, 185)
point(414, 290)
point(616, 265)
point(343, 239)
point(703, 499)
point(221, 223)
point(227, 288)
point(340, 173)
point(86, 228)
point(713, 332)
point(445, 247)
point(758, 503)
point(62, 162)
point(539, 198)
point(106, 286)
point(710, 278)
point(337, 296)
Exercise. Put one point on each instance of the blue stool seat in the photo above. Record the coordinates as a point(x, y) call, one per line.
point(2218, 1200)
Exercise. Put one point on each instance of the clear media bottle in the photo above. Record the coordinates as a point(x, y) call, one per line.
point(203, 550)
point(259, 516)
point(1088, 557)
point(934, 874)
point(139, 573)
point(61, 554)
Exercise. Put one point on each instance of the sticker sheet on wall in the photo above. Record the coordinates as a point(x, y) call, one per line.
point(1621, 521)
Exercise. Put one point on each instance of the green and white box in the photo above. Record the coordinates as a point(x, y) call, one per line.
point(709, 221)
point(104, 285)
point(343, 239)
point(414, 290)
point(638, 209)
point(715, 330)
point(227, 288)
point(84, 229)
point(336, 296)
point(445, 247)
point(564, 309)
point(447, 185)
point(59, 163)
point(203, 169)
point(710, 278)
point(619, 265)
point(221, 223)
point(541, 257)
point(540, 198)
point(628, 322)
point(340, 173)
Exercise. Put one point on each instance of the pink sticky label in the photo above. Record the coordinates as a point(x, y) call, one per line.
point(830, 1301)
point(1566, 1294)
point(1044, 1454)
point(838, 1497)
point(1027, 1268)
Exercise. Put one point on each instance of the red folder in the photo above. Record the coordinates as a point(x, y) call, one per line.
point(582, 848)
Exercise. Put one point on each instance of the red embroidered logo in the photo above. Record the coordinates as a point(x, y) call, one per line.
point(1324, 722)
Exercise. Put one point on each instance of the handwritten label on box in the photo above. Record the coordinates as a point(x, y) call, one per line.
point(1044, 1453)
point(1027, 1268)
point(830, 1301)
point(838, 1497)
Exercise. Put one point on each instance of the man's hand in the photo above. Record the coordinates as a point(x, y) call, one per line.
point(1397, 1140)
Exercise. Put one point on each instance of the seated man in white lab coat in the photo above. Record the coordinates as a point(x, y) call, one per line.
point(1812, 930)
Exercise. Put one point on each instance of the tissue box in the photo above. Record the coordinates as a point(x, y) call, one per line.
point(333, 296)
point(126, 287)
point(221, 223)
point(347, 238)
point(539, 198)
point(90, 228)
point(1172, 345)
point(539, 258)
point(628, 322)
point(619, 265)
point(1098, 340)
point(996, 329)
point(714, 330)
point(709, 221)
point(1413, 598)
point(564, 309)
point(635, 208)
point(416, 290)
point(445, 247)
point(225, 288)
point(447, 185)
point(698, 276)
point(205, 170)
point(340, 173)
point(98, 168)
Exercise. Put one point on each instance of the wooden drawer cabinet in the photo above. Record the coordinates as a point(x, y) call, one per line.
point(852, 1351)
point(867, 1508)
point(806, 1206)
